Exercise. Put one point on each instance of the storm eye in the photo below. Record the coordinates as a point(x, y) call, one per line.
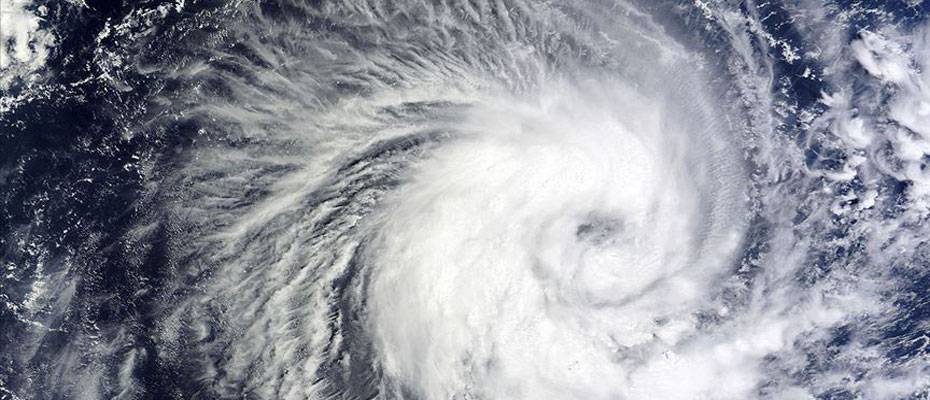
point(598, 230)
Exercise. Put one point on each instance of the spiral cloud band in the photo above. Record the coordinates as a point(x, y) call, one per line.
point(502, 199)
point(590, 225)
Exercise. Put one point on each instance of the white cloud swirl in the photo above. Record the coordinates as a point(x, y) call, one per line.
point(559, 248)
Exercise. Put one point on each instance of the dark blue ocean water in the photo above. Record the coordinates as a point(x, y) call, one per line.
point(86, 164)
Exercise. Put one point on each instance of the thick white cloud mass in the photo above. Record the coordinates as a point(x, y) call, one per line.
point(24, 44)
point(558, 248)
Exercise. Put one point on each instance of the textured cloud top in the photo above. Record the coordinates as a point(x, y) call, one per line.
point(24, 43)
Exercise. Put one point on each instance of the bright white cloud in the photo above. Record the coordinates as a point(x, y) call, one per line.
point(24, 44)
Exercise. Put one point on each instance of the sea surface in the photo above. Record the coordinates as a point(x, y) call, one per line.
point(464, 199)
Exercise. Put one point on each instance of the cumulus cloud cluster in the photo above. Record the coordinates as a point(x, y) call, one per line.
point(24, 44)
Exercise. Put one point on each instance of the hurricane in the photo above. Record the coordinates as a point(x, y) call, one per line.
point(465, 199)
